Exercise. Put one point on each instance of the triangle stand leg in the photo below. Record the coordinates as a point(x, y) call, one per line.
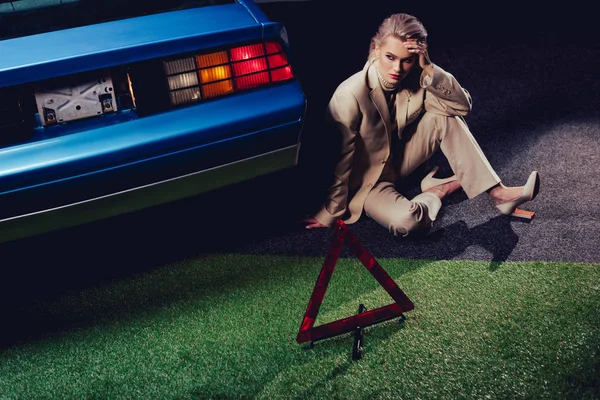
point(358, 337)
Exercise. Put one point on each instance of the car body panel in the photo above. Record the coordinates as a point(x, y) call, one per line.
point(124, 41)
point(127, 201)
point(103, 166)
point(100, 146)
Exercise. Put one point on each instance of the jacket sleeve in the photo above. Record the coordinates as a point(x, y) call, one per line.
point(344, 112)
point(444, 95)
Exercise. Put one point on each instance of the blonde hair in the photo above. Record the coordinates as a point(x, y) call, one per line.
point(401, 26)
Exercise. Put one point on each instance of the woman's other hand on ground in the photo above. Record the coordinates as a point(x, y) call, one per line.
point(310, 223)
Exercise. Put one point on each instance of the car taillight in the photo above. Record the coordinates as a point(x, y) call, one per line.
point(205, 76)
point(215, 74)
point(247, 52)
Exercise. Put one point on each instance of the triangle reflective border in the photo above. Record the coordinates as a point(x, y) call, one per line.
point(309, 332)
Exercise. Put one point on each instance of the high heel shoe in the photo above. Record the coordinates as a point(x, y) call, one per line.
point(429, 181)
point(530, 190)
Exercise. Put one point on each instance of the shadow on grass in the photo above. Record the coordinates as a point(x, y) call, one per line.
point(585, 381)
point(332, 348)
point(320, 386)
point(40, 270)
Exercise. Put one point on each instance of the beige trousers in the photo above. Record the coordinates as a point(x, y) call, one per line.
point(424, 137)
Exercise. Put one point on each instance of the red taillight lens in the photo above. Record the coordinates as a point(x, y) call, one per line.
point(252, 81)
point(281, 74)
point(247, 52)
point(249, 67)
point(279, 65)
point(277, 60)
point(274, 47)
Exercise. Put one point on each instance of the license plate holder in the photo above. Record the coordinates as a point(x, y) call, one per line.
point(65, 101)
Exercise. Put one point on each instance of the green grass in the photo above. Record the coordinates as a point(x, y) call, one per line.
point(224, 326)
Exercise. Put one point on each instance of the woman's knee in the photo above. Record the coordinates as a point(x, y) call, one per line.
point(412, 222)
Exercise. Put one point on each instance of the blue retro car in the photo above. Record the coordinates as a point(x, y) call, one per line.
point(111, 106)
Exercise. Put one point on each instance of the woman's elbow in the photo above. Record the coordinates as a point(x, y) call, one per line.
point(468, 103)
point(463, 108)
point(467, 109)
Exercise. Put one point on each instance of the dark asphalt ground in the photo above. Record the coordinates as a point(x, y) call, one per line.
point(532, 73)
point(533, 76)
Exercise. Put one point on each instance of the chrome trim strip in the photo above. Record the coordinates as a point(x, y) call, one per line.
point(134, 199)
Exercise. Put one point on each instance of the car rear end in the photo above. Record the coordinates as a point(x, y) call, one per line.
point(138, 105)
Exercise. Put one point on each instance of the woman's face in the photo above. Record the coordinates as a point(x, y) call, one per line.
point(395, 61)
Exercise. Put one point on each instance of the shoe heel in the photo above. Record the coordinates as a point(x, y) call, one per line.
point(530, 191)
point(429, 181)
point(522, 214)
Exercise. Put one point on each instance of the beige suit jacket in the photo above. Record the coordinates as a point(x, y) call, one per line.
point(359, 109)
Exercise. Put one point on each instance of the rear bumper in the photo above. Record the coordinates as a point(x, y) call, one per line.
point(145, 196)
point(121, 164)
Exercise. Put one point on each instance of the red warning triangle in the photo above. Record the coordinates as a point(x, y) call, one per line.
point(342, 235)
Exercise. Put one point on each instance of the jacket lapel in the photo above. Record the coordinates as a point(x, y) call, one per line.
point(378, 98)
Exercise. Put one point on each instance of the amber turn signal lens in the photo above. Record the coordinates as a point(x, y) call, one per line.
point(217, 89)
point(215, 74)
point(212, 59)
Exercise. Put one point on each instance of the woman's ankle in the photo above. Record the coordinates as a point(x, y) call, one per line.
point(501, 194)
point(444, 189)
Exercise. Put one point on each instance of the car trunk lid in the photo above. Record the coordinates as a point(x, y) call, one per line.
point(70, 51)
